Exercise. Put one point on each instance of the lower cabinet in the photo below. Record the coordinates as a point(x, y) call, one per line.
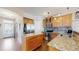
point(53, 35)
point(32, 42)
point(52, 49)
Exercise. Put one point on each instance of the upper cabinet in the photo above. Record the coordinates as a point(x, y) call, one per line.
point(67, 20)
point(27, 20)
point(47, 22)
point(60, 21)
point(57, 22)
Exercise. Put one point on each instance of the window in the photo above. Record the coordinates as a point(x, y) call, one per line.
point(28, 28)
point(8, 28)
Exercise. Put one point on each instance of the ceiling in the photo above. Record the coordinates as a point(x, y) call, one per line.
point(40, 11)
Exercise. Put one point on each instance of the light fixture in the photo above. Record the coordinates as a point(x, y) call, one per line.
point(54, 18)
point(46, 14)
point(68, 10)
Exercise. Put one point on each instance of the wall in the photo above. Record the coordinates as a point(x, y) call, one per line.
point(27, 15)
point(38, 24)
point(75, 24)
point(0, 28)
point(19, 29)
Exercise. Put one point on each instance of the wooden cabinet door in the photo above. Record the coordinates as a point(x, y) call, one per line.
point(67, 20)
point(44, 23)
point(57, 22)
point(28, 21)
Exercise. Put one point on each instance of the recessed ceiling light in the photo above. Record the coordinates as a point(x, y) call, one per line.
point(55, 18)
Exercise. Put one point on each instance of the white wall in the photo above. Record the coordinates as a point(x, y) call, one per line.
point(38, 24)
point(75, 23)
point(19, 29)
point(29, 15)
point(0, 28)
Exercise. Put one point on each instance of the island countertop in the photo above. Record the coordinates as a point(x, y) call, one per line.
point(31, 34)
point(63, 43)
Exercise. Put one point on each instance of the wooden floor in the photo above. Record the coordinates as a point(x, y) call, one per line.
point(43, 47)
point(9, 44)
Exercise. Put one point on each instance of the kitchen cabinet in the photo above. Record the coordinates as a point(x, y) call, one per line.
point(27, 20)
point(67, 20)
point(47, 22)
point(32, 41)
point(57, 22)
point(52, 49)
point(53, 35)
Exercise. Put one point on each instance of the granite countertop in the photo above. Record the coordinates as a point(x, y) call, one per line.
point(63, 43)
point(31, 34)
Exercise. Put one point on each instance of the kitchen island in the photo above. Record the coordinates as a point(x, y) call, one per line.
point(32, 41)
point(62, 43)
